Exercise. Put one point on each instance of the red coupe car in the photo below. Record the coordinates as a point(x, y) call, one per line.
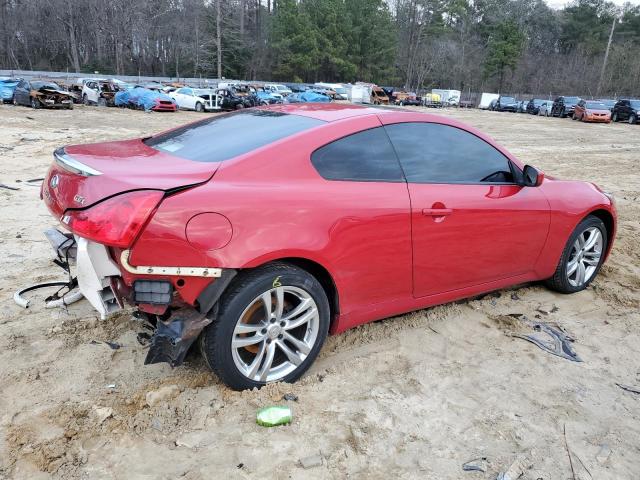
point(260, 231)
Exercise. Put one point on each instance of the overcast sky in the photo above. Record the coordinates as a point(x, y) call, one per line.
point(561, 3)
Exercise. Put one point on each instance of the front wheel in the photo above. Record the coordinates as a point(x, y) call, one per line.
point(632, 119)
point(270, 326)
point(35, 103)
point(614, 117)
point(582, 257)
point(199, 107)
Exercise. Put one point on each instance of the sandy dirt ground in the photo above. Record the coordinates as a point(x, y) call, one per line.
point(409, 397)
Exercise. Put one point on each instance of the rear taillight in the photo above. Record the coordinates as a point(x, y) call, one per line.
point(116, 221)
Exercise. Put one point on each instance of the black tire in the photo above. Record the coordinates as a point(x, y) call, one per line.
point(102, 102)
point(70, 106)
point(215, 340)
point(15, 101)
point(559, 281)
point(632, 119)
point(240, 106)
point(199, 107)
point(85, 99)
point(614, 117)
point(35, 103)
point(574, 117)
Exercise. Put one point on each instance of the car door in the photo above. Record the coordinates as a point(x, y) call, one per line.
point(625, 110)
point(471, 223)
point(187, 98)
point(21, 93)
point(366, 195)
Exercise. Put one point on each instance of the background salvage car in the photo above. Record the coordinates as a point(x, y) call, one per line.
point(591, 111)
point(198, 99)
point(564, 106)
point(626, 110)
point(376, 193)
point(37, 94)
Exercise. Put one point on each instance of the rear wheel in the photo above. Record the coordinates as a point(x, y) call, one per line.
point(85, 100)
point(582, 257)
point(614, 117)
point(35, 103)
point(199, 107)
point(269, 327)
point(632, 119)
point(102, 102)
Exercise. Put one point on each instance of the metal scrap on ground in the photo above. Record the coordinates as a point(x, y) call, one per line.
point(550, 339)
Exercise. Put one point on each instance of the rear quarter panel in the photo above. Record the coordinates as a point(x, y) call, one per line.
point(280, 207)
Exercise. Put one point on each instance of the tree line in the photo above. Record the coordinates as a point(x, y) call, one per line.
point(477, 45)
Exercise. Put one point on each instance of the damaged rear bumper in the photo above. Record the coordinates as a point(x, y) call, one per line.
point(100, 280)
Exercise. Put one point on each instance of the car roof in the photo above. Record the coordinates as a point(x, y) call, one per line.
point(328, 112)
point(332, 112)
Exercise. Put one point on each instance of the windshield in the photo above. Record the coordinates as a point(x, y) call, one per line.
point(39, 85)
point(508, 100)
point(596, 106)
point(227, 136)
point(571, 99)
point(635, 103)
point(281, 88)
point(537, 102)
point(340, 90)
point(202, 91)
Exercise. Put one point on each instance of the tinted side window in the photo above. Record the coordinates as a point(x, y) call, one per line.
point(435, 153)
point(363, 156)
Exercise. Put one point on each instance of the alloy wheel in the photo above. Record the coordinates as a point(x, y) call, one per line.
point(585, 256)
point(275, 333)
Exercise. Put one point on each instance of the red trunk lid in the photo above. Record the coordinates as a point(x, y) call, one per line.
point(122, 166)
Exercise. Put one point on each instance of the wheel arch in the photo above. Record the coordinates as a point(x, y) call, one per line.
point(209, 297)
point(609, 222)
point(324, 278)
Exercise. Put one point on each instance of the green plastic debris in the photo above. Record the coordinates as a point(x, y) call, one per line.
point(273, 416)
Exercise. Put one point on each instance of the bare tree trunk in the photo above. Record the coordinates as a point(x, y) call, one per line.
point(242, 17)
point(73, 44)
point(219, 37)
point(606, 55)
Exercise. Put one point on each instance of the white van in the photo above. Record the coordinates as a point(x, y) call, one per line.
point(341, 91)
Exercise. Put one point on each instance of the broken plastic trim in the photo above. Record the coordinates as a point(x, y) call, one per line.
point(160, 270)
point(53, 301)
point(173, 338)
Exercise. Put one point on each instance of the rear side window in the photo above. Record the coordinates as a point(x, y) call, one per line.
point(365, 156)
point(226, 136)
point(435, 153)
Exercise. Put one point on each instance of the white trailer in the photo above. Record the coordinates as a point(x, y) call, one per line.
point(359, 93)
point(486, 100)
point(448, 97)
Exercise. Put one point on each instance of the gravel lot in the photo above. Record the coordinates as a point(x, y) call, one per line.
point(410, 397)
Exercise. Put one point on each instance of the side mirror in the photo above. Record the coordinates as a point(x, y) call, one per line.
point(532, 177)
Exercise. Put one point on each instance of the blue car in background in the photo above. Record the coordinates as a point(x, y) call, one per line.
point(7, 87)
point(267, 98)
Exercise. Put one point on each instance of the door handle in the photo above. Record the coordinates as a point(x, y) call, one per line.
point(436, 212)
